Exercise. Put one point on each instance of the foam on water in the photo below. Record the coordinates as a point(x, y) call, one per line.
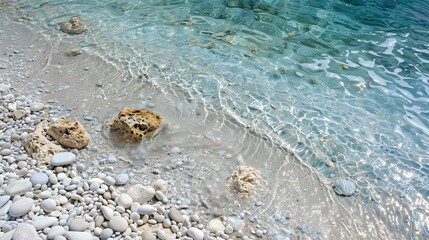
point(343, 85)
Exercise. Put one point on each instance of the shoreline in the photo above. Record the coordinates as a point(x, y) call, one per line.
point(94, 123)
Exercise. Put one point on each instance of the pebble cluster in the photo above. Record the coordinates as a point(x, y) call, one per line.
point(62, 201)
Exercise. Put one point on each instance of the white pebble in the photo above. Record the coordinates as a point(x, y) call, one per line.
point(39, 178)
point(107, 212)
point(18, 187)
point(195, 233)
point(63, 158)
point(118, 224)
point(43, 222)
point(124, 200)
point(140, 193)
point(122, 179)
point(56, 231)
point(78, 235)
point(25, 231)
point(146, 209)
point(21, 207)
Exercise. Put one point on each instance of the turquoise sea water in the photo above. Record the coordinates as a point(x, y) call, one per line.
point(344, 84)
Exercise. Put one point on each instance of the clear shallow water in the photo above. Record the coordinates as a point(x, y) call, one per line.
point(342, 84)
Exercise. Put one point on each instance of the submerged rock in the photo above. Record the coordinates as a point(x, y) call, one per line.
point(244, 179)
point(344, 187)
point(39, 147)
point(75, 25)
point(134, 125)
point(69, 133)
point(73, 52)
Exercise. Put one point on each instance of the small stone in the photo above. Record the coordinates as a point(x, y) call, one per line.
point(18, 114)
point(18, 187)
point(146, 209)
point(36, 106)
point(135, 216)
point(4, 87)
point(161, 234)
point(109, 181)
point(215, 225)
point(124, 200)
point(195, 233)
point(21, 207)
point(78, 235)
point(39, 178)
point(63, 158)
point(5, 152)
point(112, 159)
point(175, 150)
point(56, 231)
point(160, 185)
point(74, 26)
point(166, 223)
point(122, 179)
point(48, 205)
point(148, 236)
point(236, 223)
point(244, 179)
point(78, 224)
point(106, 233)
point(43, 222)
point(259, 233)
point(107, 212)
point(73, 52)
point(159, 195)
point(25, 231)
point(228, 229)
point(175, 215)
point(118, 224)
point(140, 193)
point(344, 187)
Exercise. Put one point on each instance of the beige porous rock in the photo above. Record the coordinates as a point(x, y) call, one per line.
point(39, 147)
point(69, 133)
point(75, 25)
point(244, 180)
point(133, 125)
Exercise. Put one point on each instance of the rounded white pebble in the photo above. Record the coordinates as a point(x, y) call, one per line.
point(39, 178)
point(118, 224)
point(48, 205)
point(18, 187)
point(62, 158)
point(56, 231)
point(43, 222)
point(122, 179)
point(107, 212)
point(78, 224)
point(146, 209)
point(140, 193)
point(36, 106)
point(106, 233)
point(70, 235)
point(124, 200)
point(21, 207)
point(195, 233)
point(25, 231)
